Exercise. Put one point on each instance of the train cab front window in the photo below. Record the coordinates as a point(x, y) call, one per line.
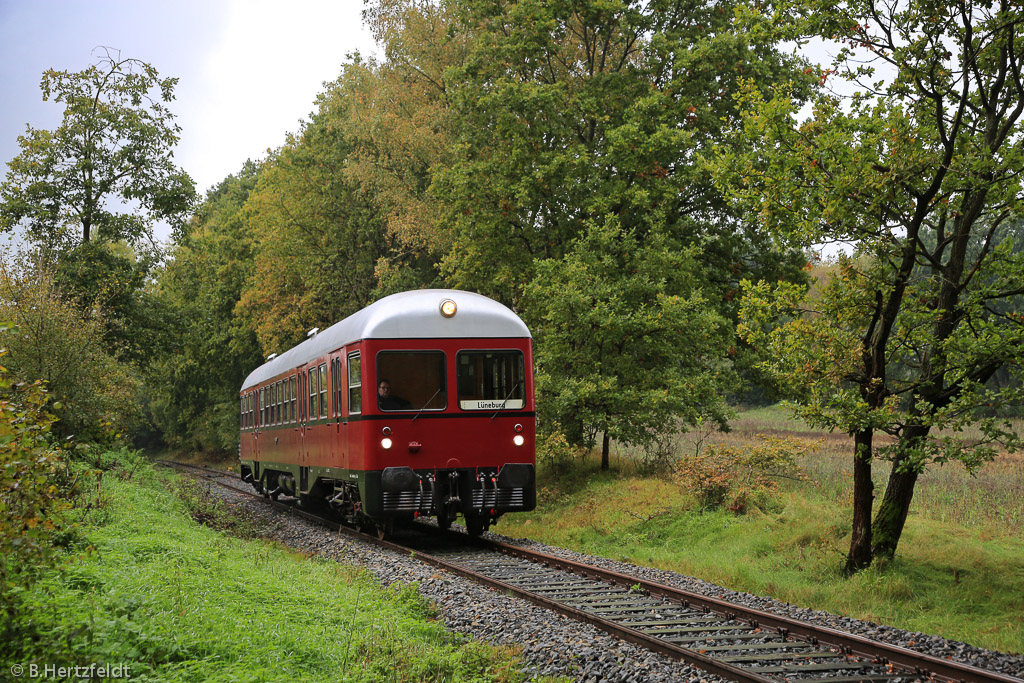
point(491, 380)
point(411, 380)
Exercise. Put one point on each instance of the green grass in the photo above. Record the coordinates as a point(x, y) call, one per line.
point(959, 569)
point(177, 601)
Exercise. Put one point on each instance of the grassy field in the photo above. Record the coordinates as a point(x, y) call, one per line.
point(959, 570)
point(147, 587)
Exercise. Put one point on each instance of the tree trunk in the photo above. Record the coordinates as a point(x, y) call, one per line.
point(860, 556)
point(892, 513)
point(604, 451)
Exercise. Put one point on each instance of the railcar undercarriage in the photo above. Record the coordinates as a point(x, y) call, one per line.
point(378, 499)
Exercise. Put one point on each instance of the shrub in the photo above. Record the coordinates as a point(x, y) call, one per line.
point(33, 479)
point(553, 449)
point(740, 479)
point(92, 395)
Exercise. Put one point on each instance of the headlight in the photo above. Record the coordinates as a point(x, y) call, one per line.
point(518, 440)
point(448, 308)
point(385, 443)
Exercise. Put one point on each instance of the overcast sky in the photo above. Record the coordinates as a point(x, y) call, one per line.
point(249, 70)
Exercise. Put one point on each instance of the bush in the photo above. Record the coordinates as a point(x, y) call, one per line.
point(740, 479)
point(554, 449)
point(33, 479)
point(92, 395)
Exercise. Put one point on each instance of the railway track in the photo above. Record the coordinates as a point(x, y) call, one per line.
point(733, 641)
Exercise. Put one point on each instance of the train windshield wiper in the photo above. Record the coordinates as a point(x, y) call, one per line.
point(514, 387)
point(426, 404)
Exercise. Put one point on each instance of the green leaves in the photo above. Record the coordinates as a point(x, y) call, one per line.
point(626, 344)
point(113, 147)
point(918, 174)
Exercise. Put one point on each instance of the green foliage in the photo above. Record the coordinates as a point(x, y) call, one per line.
point(572, 113)
point(33, 481)
point(114, 145)
point(627, 345)
point(176, 601)
point(317, 239)
point(919, 172)
point(92, 395)
point(111, 281)
point(740, 479)
point(193, 385)
point(553, 448)
point(214, 512)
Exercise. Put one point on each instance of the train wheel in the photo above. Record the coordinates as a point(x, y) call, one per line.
point(476, 523)
point(445, 519)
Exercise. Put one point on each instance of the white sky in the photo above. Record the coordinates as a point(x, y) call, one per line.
point(249, 70)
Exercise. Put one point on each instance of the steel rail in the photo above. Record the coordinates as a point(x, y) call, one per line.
point(919, 663)
point(915, 664)
point(627, 634)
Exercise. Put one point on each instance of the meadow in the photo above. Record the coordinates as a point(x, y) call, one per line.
point(143, 585)
point(958, 572)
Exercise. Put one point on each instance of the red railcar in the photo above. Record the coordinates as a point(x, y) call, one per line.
point(456, 433)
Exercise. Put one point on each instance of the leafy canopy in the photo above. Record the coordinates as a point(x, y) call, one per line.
point(107, 171)
point(918, 172)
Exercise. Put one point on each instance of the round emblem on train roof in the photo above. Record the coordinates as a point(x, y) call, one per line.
point(448, 308)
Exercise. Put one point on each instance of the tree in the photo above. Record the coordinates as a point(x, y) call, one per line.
point(193, 386)
point(396, 116)
point(112, 149)
point(92, 395)
point(579, 126)
point(619, 351)
point(317, 239)
point(569, 112)
point(919, 172)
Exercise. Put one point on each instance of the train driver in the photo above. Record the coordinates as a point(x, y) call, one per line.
point(387, 401)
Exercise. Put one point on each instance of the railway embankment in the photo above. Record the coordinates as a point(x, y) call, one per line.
point(552, 645)
point(146, 592)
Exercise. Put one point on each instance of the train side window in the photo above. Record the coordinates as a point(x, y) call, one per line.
point(340, 387)
point(291, 398)
point(277, 403)
point(261, 416)
point(323, 390)
point(311, 375)
point(355, 384)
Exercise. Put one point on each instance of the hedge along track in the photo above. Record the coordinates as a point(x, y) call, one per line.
point(733, 641)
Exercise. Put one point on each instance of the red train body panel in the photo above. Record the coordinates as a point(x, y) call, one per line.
point(458, 436)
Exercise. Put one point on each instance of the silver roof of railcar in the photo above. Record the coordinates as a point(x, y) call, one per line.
point(407, 315)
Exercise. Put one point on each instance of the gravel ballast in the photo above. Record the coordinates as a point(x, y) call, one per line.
point(558, 646)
